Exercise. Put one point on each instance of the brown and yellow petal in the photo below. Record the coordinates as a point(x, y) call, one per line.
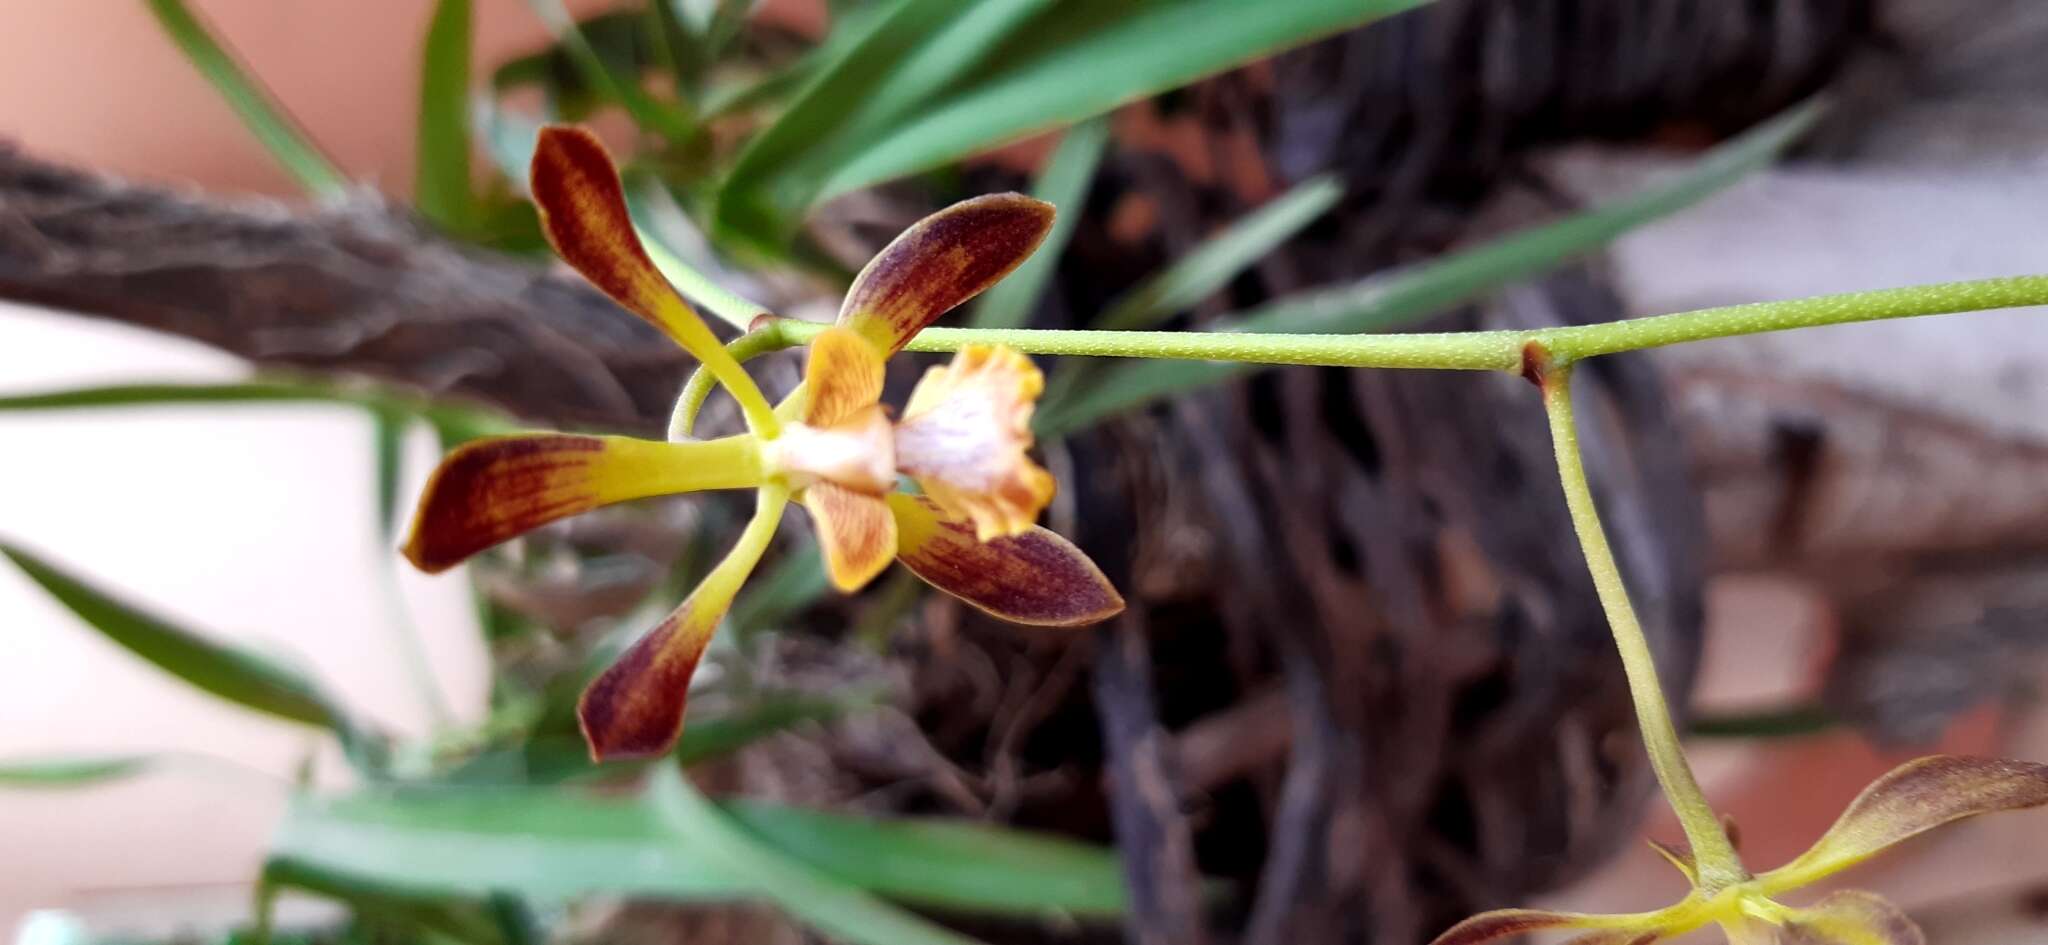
point(635, 708)
point(583, 211)
point(844, 376)
point(1851, 917)
point(1036, 578)
point(491, 490)
point(1917, 796)
point(964, 438)
point(1638, 929)
point(855, 530)
point(941, 261)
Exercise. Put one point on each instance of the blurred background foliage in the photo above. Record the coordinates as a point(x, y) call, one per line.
point(765, 161)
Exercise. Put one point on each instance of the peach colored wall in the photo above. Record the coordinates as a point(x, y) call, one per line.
point(95, 82)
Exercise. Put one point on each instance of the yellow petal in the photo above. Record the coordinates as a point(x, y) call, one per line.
point(855, 530)
point(490, 490)
point(843, 376)
point(1035, 578)
point(583, 210)
point(964, 437)
point(1917, 796)
point(1851, 917)
point(635, 709)
point(941, 261)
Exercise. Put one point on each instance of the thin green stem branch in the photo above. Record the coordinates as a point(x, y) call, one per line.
point(683, 419)
point(730, 307)
point(1714, 856)
point(1477, 351)
point(1488, 350)
point(1943, 298)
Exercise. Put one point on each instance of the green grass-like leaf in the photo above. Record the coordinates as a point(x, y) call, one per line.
point(556, 845)
point(615, 81)
point(823, 902)
point(441, 185)
point(71, 772)
point(1200, 273)
point(220, 669)
point(1389, 300)
point(454, 423)
point(264, 118)
point(1064, 184)
point(1050, 65)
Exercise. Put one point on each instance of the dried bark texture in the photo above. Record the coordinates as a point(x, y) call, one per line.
point(359, 289)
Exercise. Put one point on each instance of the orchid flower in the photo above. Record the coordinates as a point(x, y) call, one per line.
point(963, 438)
point(1911, 799)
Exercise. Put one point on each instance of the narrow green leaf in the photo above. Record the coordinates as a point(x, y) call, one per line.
point(1021, 872)
point(790, 587)
point(552, 845)
point(264, 118)
point(671, 120)
point(387, 436)
point(71, 772)
point(451, 420)
point(753, 205)
point(1215, 261)
point(1794, 721)
point(423, 915)
point(441, 187)
point(1200, 273)
point(765, 715)
point(1064, 184)
point(229, 672)
point(839, 910)
point(1069, 62)
point(554, 759)
point(1388, 300)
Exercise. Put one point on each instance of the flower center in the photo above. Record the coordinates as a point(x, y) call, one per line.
point(858, 452)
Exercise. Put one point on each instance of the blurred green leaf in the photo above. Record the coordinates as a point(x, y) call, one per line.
point(615, 78)
point(789, 588)
point(455, 423)
point(264, 118)
point(387, 905)
point(764, 715)
point(1795, 721)
point(553, 845)
point(1388, 300)
point(1200, 273)
point(220, 669)
point(441, 187)
point(70, 772)
point(769, 179)
point(557, 758)
point(387, 434)
point(953, 864)
point(826, 904)
point(1220, 258)
point(1070, 60)
point(1064, 184)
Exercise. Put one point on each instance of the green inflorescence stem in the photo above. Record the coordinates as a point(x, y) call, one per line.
point(1713, 855)
point(1487, 350)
